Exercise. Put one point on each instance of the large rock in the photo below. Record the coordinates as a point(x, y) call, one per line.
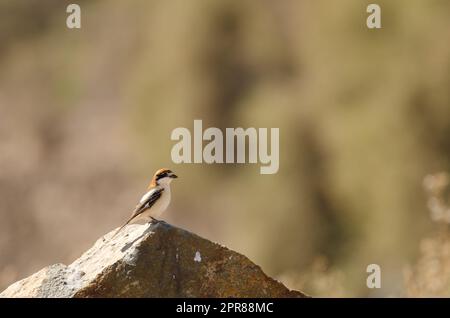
point(156, 260)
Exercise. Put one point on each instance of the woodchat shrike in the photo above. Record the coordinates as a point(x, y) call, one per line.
point(155, 201)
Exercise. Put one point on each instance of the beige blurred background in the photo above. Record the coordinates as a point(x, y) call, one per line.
point(364, 115)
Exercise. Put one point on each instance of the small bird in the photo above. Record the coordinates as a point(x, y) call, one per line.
point(155, 201)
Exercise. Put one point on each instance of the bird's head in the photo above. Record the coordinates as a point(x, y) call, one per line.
point(163, 177)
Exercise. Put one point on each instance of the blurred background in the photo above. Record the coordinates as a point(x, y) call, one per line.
point(364, 116)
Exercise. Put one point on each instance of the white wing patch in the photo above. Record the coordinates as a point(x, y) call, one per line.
point(146, 196)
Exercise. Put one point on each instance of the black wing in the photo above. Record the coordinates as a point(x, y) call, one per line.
point(147, 204)
point(142, 206)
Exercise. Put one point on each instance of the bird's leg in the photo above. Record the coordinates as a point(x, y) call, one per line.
point(154, 220)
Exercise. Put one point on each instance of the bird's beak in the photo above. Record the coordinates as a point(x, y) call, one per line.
point(173, 176)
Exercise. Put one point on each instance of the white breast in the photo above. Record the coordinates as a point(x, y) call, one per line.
point(160, 205)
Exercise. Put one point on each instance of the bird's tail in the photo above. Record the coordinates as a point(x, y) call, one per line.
point(133, 216)
point(120, 228)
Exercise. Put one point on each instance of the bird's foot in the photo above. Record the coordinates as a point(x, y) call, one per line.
point(156, 221)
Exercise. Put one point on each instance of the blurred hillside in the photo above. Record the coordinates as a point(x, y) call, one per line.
point(364, 115)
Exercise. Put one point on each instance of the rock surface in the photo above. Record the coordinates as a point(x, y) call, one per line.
point(157, 260)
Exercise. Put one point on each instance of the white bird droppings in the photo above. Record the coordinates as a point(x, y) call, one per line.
point(198, 257)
